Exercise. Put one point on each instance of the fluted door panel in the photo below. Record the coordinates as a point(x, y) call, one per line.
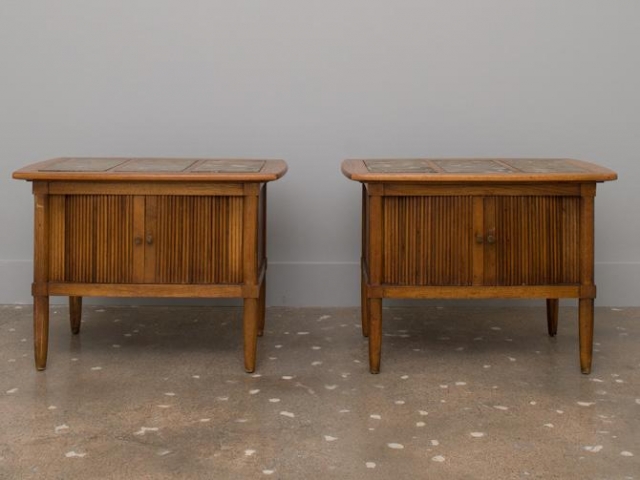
point(91, 238)
point(427, 240)
point(537, 240)
point(198, 239)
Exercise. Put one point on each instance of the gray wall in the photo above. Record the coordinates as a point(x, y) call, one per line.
point(314, 82)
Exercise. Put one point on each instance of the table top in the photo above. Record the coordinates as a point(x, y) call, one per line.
point(475, 170)
point(153, 169)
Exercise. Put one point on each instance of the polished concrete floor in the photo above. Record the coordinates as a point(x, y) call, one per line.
point(464, 393)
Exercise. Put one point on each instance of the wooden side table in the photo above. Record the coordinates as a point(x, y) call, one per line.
point(477, 228)
point(150, 227)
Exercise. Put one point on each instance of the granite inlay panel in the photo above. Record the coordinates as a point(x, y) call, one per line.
point(230, 166)
point(399, 166)
point(84, 165)
point(155, 165)
point(527, 165)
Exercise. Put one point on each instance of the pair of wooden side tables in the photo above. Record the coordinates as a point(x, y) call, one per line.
point(431, 228)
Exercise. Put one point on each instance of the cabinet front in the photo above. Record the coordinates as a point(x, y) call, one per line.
point(123, 239)
point(461, 240)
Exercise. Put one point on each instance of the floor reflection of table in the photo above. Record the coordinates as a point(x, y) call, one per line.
point(148, 227)
point(478, 228)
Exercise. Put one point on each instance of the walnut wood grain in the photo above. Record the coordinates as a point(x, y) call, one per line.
point(150, 228)
point(477, 228)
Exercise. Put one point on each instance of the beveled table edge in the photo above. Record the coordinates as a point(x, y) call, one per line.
point(273, 169)
point(355, 169)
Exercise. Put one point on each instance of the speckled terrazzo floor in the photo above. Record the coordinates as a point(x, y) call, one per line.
point(464, 393)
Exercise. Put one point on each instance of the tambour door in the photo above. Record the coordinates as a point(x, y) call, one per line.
point(194, 239)
point(170, 239)
point(93, 238)
point(427, 240)
point(535, 240)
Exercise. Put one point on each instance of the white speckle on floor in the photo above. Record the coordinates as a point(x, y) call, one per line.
point(423, 412)
point(144, 430)
point(205, 420)
point(395, 446)
point(254, 391)
point(73, 454)
point(274, 400)
point(287, 377)
point(249, 452)
point(477, 434)
point(626, 454)
point(61, 428)
point(500, 407)
point(96, 368)
point(549, 425)
point(461, 384)
point(331, 387)
point(593, 448)
point(438, 458)
point(420, 424)
point(287, 414)
point(13, 390)
point(329, 438)
point(170, 394)
point(370, 464)
point(268, 472)
point(586, 404)
point(435, 443)
point(375, 416)
point(163, 452)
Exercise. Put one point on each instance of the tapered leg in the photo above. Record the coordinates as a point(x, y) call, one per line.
point(75, 314)
point(363, 304)
point(585, 312)
point(41, 330)
point(552, 316)
point(375, 334)
point(262, 307)
point(250, 329)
